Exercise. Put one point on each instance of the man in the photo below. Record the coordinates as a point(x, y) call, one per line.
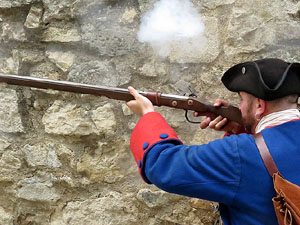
point(229, 171)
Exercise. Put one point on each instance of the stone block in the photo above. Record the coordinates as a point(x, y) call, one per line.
point(58, 10)
point(34, 17)
point(69, 119)
point(64, 118)
point(104, 31)
point(10, 161)
point(11, 65)
point(45, 70)
point(212, 4)
point(61, 35)
point(10, 118)
point(13, 31)
point(202, 204)
point(4, 144)
point(104, 119)
point(126, 110)
point(9, 166)
point(102, 166)
point(109, 209)
point(255, 25)
point(31, 55)
point(63, 60)
point(5, 217)
point(6, 4)
point(98, 73)
point(129, 15)
point(146, 5)
point(14, 3)
point(36, 190)
point(156, 198)
point(41, 155)
point(154, 69)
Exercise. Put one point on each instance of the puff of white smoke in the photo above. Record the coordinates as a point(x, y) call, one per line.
point(172, 24)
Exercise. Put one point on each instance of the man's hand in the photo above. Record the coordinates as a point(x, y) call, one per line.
point(141, 105)
point(218, 122)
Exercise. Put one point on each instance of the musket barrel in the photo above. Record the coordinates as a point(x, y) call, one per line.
point(120, 93)
point(77, 87)
point(157, 98)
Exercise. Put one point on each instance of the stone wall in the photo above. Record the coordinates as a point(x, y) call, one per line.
point(65, 158)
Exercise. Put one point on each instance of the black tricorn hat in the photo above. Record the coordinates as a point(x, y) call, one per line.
point(267, 79)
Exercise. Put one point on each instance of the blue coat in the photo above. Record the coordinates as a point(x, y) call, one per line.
point(229, 171)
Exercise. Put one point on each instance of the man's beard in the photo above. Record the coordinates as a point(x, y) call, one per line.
point(249, 119)
point(248, 124)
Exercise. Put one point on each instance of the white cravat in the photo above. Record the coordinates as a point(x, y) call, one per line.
point(277, 118)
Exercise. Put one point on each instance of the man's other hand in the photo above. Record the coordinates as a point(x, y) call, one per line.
point(218, 122)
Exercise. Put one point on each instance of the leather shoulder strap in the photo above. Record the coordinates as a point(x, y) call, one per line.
point(265, 154)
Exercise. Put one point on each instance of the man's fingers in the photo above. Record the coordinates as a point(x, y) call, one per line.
point(130, 103)
point(213, 123)
point(220, 102)
point(207, 114)
point(133, 92)
point(218, 123)
point(205, 123)
point(221, 124)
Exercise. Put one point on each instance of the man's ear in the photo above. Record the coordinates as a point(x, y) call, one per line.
point(260, 108)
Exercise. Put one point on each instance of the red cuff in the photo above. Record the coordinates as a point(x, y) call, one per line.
point(150, 129)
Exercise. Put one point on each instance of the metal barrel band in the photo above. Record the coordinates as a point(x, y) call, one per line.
point(157, 98)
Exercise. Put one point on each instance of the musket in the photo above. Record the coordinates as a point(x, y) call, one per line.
point(157, 98)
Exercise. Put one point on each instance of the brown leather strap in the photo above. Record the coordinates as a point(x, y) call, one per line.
point(265, 154)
